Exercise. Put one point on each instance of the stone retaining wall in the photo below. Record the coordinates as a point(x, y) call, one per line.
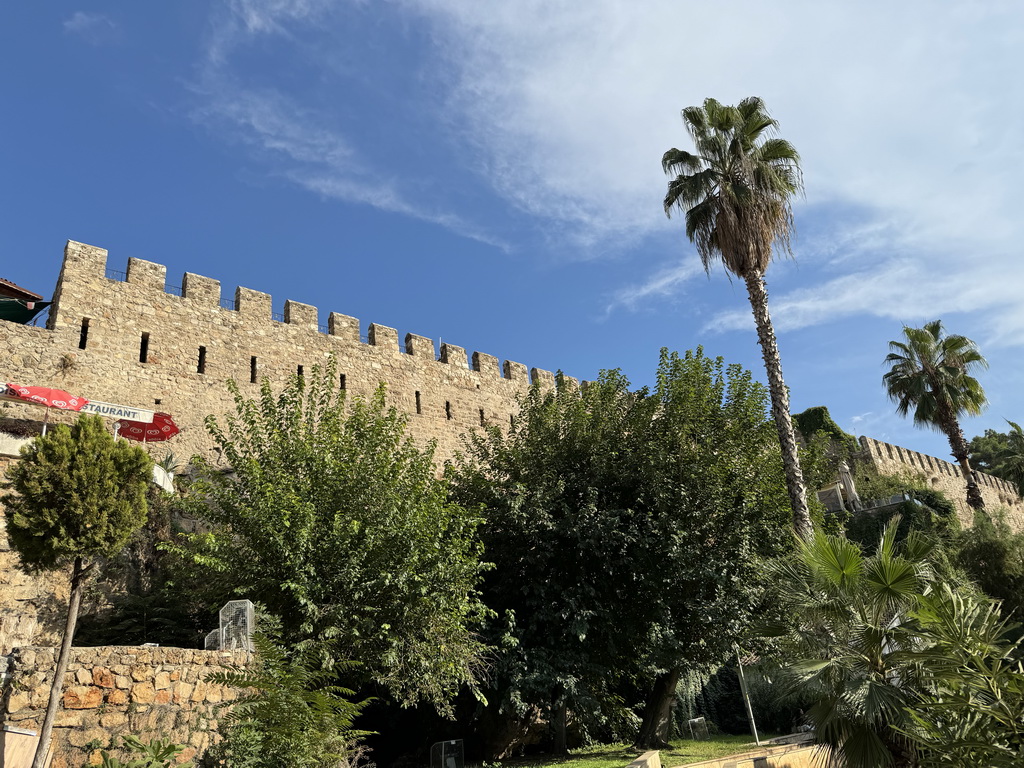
point(110, 691)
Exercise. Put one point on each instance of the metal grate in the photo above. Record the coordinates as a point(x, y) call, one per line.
point(114, 274)
point(447, 754)
point(236, 625)
point(212, 641)
point(174, 290)
point(229, 304)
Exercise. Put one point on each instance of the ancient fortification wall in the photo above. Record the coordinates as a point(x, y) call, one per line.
point(132, 339)
point(116, 691)
point(946, 477)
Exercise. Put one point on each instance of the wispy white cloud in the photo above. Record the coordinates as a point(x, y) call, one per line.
point(94, 28)
point(295, 143)
point(900, 111)
point(237, 22)
point(298, 142)
point(666, 282)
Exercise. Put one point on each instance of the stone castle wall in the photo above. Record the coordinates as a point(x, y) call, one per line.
point(137, 341)
point(114, 691)
point(946, 477)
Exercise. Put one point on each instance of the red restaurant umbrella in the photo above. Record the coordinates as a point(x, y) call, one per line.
point(162, 428)
point(46, 396)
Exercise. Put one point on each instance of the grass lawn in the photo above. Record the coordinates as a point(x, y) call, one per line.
point(683, 752)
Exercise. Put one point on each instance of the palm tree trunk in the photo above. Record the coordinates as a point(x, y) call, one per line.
point(961, 451)
point(780, 405)
point(57, 686)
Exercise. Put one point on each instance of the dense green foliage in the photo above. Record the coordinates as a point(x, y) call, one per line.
point(992, 554)
point(291, 715)
point(926, 510)
point(77, 492)
point(972, 712)
point(817, 420)
point(904, 666)
point(1001, 454)
point(626, 529)
point(336, 522)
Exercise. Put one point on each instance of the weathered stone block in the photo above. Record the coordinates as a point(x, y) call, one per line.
point(113, 719)
point(182, 692)
point(82, 697)
point(19, 700)
point(141, 672)
point(117, 697)
point(143, 693)
point(102, 677)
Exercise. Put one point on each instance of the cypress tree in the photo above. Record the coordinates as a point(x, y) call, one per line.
point(76, 495)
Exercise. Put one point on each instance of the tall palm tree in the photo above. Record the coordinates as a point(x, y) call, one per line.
point(931, 376)
point(735, 190)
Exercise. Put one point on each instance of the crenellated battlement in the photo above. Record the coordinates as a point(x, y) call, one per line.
point(85, 264)
point(944, 475)
point(136, 337)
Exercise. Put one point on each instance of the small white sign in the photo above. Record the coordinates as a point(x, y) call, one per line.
point(115, 411)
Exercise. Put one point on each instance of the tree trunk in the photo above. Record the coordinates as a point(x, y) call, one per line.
point(780, 406)
point(57, 686)
point(559, 718)
point(961, 452)
point(654, 732)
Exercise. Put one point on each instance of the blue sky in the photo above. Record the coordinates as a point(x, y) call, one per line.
point(489, 173)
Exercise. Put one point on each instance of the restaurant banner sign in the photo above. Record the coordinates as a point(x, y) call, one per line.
point(115, 411)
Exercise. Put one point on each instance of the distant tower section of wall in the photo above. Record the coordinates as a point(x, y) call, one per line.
point(945, 476)
point(135, 338)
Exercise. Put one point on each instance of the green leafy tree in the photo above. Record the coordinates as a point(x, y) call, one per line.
point(1001, 454)
point(845, 644)
point(930, 376)
point(291, 714)
point(992, 554)
point(736, 190)
point(333, 519)
point(972, 713)
point(75, 497)
point(625, 528)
